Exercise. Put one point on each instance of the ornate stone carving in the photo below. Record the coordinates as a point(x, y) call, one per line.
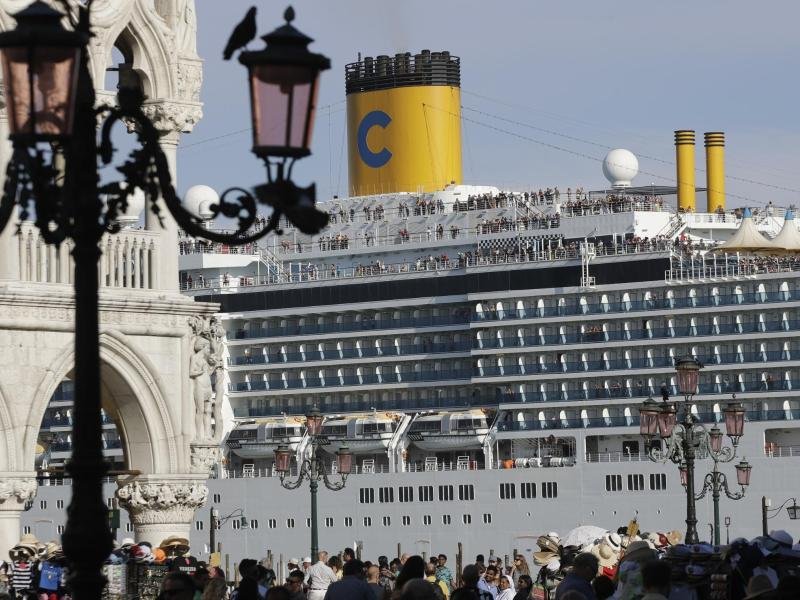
point(190, 79)
point(205, 457)
point(162, 501)
point(207, 359)
point(172, 116)
point(17, 490)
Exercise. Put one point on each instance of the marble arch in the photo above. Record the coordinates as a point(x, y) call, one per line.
point(132, 391)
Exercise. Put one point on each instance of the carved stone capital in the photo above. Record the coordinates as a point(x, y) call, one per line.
point(166, 499)
point(16, 489)
point(204, 457)
point(169, 116)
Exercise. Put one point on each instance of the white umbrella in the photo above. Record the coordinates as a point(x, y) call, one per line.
point(583, 535)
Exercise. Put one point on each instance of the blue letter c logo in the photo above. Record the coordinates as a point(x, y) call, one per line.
point(373, 159)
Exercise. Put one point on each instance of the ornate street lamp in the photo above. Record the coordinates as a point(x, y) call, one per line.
point(793, 511)
point(312, 468)
point(50, 178)
point(685, 439)
point(217, 522)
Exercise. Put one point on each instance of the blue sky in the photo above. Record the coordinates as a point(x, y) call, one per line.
point(581, 75)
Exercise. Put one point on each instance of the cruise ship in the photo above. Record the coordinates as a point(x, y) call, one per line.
point(483, 352)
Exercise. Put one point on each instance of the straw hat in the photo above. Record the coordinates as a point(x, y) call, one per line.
point(174, 545)
point(606, 555)
point(127, 543)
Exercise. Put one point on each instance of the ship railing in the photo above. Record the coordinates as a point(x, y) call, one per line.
point(615, 457)
point(312, 273)
point(529, 218)
point(724, 266)
point(773, 450)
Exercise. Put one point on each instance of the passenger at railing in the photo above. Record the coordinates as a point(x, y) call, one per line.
point(664, 392)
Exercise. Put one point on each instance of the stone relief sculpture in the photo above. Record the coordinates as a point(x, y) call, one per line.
point(186, 30)
point(207, 359)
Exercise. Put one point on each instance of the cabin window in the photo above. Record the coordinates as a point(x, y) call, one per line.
point(445, 493)
point(272, 523)
point(387, 521)
point(367, 521)
point(446, 519)
point(405, 493)
point(289, 523)
point(60, 529)
point(528, 489)
point(328, 521)
point(466, 519)
point(613, 483)
point(386, 494)
point(487, 518)
point(217, 498)
point(253, 523)
point(406, 520)
point(635, 483)
point(198, 525)
point(348, 521)
point(366, 495)
point(426, 520)
point(466, 492)
point(549, 489)
point(508, 491)
point(658, 481)
point(426, 493)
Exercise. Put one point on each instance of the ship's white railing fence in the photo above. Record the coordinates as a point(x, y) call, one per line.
point(128, 258)
point(774, 451)
point(310, 272)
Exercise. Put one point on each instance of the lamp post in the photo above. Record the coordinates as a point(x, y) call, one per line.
point(312, 469)
point(687, 439)
point(793, 511)
point(53, 178)
point(217, 521)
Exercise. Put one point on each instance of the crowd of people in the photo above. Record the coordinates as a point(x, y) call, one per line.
point(588, 563)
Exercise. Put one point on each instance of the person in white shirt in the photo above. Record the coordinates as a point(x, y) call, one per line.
point(320, 576)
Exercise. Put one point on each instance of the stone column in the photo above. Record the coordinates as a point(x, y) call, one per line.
point(162, 505)
point(171, 118)
point(9, 241)
point(16, 489)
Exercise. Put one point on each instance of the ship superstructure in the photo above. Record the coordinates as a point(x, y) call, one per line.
point(483, 352)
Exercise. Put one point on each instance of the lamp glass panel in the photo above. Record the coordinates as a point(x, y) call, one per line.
point(283, 106)
point(743, 473)
point(666, 422)
point(715, 439)
point(648, 421)
point(282, 459)
point(684, 475)
point(734, 420)
point(687, 379)
point(345, 461)
point(793, 511)
point(53, 81)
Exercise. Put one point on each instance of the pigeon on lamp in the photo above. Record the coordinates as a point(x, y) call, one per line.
point(243, 34)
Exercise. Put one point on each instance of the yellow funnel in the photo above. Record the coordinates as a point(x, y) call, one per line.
point(684, 150)
point(404, 123)
point(715, 170)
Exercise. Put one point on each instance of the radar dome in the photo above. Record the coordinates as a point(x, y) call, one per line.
point(130, 216)
point(198, 199)
point(620, 166)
